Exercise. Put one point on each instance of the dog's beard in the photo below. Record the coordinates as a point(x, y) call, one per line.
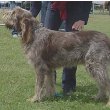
point(12, 26)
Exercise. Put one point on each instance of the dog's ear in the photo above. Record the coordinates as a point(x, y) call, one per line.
point(27, 31)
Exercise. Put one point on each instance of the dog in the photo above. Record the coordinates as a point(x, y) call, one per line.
point(47, 50)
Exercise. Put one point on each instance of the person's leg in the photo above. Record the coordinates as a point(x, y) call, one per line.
point(43, 11)
point(69, 74)
point(12, 5)
point(52, 19)
point(69, 80)
point(14, 31)
point(35, 7)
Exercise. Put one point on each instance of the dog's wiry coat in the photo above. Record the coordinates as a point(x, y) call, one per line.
point(47, 50)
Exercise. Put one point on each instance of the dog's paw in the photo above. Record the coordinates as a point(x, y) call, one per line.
point(108, 104)
point(33, 99)
point(100, 98)
point(95, 98)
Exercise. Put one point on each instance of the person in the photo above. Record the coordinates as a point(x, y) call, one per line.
point(41, 6)
point(75, 15)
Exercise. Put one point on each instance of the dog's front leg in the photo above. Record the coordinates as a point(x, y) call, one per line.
point(44, 86)
point(49, 85)
point(38, 87)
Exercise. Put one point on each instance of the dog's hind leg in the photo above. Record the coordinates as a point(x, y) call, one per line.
point(99, 73)
point(108, 88)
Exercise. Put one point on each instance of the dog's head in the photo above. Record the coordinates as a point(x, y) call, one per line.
point(16, 18)
point(23, 21)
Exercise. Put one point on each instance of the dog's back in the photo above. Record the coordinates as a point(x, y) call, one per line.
point(69, 46)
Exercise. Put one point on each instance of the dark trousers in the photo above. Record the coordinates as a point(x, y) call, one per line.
point(53, 21)
point(37, 6)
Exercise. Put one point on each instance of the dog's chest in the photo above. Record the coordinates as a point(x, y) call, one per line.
point(30, 55)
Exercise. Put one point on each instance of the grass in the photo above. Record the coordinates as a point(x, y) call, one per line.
point(17, 77)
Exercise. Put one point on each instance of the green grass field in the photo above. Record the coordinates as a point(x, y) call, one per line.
point(17, 77)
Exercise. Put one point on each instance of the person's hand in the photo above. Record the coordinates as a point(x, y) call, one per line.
point(79, 25)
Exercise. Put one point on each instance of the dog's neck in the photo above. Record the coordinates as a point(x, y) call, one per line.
point(38, 26)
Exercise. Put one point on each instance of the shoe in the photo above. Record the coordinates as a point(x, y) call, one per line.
point(15, 35)
point(19, 35)
point(58, 95)
point(68, 92)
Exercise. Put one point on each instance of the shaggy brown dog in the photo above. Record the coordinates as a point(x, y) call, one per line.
point(47, 50)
